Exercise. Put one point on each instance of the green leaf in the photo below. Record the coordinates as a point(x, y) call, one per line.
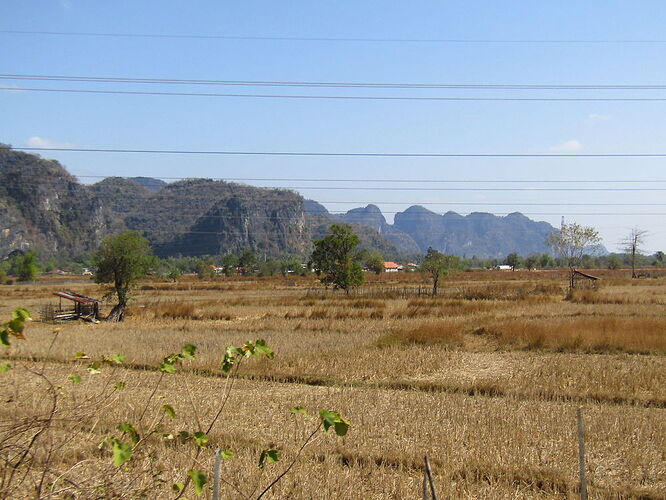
point(262, 348)
point(174, 358)
point(75, 378)
point(334, 419)
point(167, 367)
point(16, 325)
point(249, 349)
point(178, 487)
point(169, 410)
point(199, 479)
point(201, 438)
point(122, 452)
point(93, 368)
point(299, 410)
point(21, 314)
point(226, 454)
point(184, 435)
point(117, 359)
point(167, 436)
point(268, 456)
point(341, 427)
point(119, 385)
point(130, 430)
point(5, 367)
point(80, 355)
point(189, 350)
point(4, 338)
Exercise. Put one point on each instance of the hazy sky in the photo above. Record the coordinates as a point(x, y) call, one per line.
point(54, 119)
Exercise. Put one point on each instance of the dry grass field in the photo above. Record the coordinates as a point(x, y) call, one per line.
point(485, 379)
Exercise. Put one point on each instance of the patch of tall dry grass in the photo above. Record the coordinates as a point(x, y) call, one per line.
point(642, 335)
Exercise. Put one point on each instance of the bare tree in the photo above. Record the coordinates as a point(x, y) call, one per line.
point(570, 243)
point(632, 246)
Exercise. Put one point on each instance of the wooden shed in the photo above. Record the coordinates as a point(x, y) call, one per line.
point(83, 307)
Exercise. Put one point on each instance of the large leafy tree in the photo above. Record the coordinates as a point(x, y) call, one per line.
point(333, 258)
point(121, 260)
point(438, 265)
point(570, 243)
point(27, 267)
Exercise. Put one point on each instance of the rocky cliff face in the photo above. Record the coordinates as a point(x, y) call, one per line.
point(372, 217)
point(477, 234)
point(43, 207)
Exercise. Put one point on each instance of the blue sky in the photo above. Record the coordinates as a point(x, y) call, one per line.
point(198, 123)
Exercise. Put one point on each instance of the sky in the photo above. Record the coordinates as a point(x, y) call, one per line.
point(428, 42)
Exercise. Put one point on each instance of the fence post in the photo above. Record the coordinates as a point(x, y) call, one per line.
point(216, 474)
point(431, 481)
point(425, 486)
point(581, 455)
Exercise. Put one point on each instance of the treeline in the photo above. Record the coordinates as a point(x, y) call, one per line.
point(27, 266)
point(547, 261)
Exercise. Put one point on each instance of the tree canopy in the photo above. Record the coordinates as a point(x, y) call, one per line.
point(438, 265)
point(333, 258)
point(571, 241)
point(121, 260)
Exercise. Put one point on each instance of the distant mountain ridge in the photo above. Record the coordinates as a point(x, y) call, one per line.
point(478, 234)
point(43, 207)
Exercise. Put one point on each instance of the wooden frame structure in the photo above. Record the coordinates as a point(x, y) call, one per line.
point(85, 308)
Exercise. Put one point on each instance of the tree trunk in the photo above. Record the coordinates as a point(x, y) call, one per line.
point(117, 313)
point(633, 262)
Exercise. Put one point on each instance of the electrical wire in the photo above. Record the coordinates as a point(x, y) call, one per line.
point(337, 97)
point(337, 39)
point(345, 154)
point(370, 85)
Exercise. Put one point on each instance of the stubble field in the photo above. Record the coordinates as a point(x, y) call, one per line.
point(485, 379)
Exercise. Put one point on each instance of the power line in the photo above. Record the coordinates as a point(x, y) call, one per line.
point(337, 97)
point(451, 181)
point(386, 188)
point(371, 85)
point(335, 39)
point(352, 154)
point(360, 220)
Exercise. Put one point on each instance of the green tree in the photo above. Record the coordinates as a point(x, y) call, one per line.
point(659, 257)
point(290, 266)
point(173, 274)
point(614, 262)
point(121, 260)
point(374, 262)
point(546, 261)
point(512, 260)
point(438, 265)
point(531, 262)
point(333, 258)
point(27, 267)
point(247, 262)
point(230, 263)
point(205, 269)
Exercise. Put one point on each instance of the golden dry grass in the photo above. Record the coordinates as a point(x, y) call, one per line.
point(485, 379)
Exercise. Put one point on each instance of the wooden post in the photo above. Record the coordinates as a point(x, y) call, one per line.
point(581, 455)
point(425, 486)
point(216, 474)
point(431, 481)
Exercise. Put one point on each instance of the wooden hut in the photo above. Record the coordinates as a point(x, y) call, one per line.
point(85, 308)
